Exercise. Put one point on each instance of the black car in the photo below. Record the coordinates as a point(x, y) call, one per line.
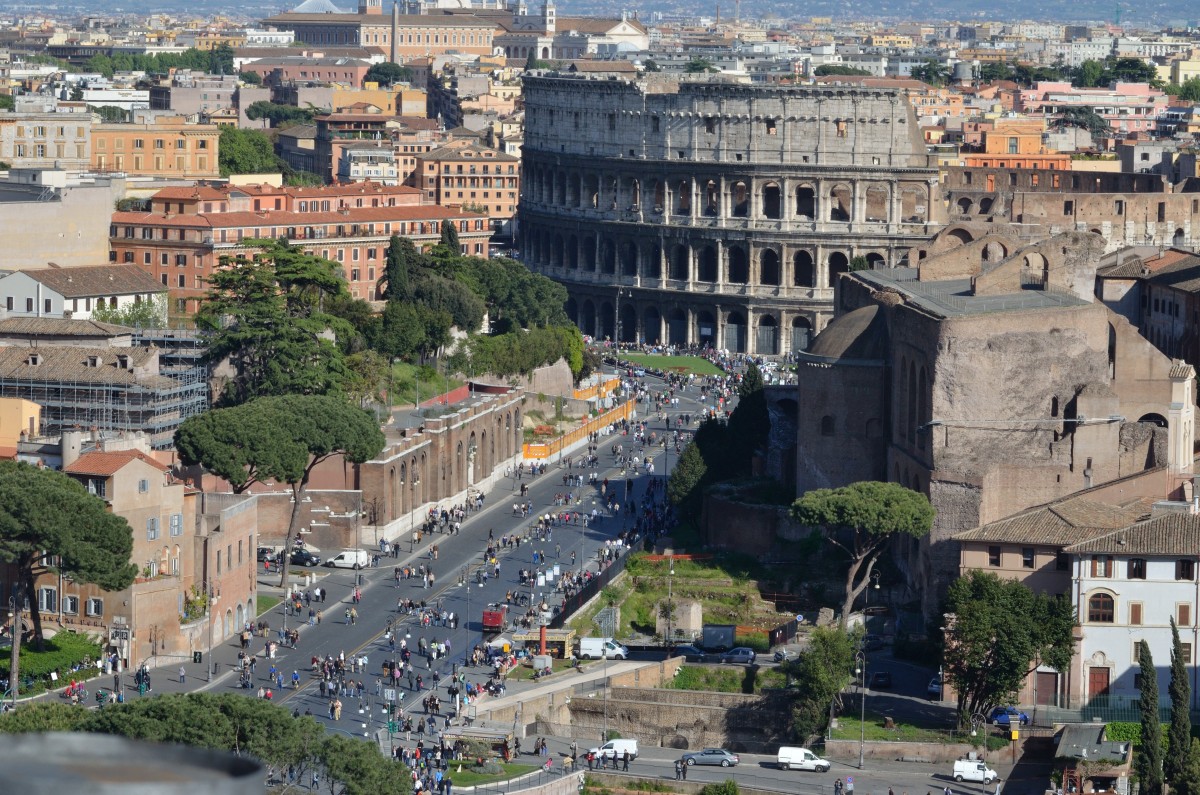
point(881, 680)
point(302, 557)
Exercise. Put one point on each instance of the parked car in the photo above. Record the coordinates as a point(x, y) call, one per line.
point(690, 653)
point(711, 756)
point(302, 557)
point(935, 688)
point(881, 680)
point(265, 554)
point(1005, 716)
point(801, 759)
point(741, 655)
point(350, 559)
point(872, 642)
point(616, 749)
point(973, 770)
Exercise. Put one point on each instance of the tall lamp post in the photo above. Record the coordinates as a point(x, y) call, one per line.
point(604, 684)
point(860, 669)
point(670, 605)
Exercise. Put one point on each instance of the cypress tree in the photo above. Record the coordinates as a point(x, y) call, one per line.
point(1179, 735)
point(450, 236)
point(1149, 762)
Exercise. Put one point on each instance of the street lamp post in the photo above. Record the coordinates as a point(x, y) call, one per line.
point(860, 669)
point(670, 604)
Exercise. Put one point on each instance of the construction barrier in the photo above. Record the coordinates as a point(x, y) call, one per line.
point(543, 450)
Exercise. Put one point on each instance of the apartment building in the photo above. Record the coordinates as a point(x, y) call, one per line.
point(167, 146)
point(465, 174)
point(1127, 107)
point(42, 140)
point(189, 230)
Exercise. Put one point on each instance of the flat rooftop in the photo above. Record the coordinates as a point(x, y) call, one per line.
point(954, 297)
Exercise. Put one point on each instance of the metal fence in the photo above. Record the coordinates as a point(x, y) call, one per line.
point(585, 594)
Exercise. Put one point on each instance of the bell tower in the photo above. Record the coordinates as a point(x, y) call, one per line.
point(371, 7)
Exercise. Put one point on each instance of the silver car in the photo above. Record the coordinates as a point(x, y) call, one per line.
point(711, 756)
point(739, 655)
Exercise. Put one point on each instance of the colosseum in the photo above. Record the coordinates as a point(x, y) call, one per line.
point(699, 211)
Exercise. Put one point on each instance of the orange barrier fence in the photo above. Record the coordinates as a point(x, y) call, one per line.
point(601, 389)
point(541, 450)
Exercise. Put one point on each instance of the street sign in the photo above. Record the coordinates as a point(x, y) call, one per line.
point(119, 633)
point(799, 619)
point(389, 695)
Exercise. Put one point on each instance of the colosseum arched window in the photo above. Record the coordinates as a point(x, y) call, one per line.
point(806, 202)
point(608, 257)
point(712, 199)
point(653, 260)
point(838, 264)
point(803, 274)
point(839, 203)
point(681, 259)
point(739, 265)
point(739, 200)
point(877, 204)
point(708, 265)
point(683, 198)
point(772, 201)
point(768, 268)
point(629, 259)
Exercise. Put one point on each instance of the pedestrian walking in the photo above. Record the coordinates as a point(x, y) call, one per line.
point(678, 770)
point(626, 767)
point(182, 675)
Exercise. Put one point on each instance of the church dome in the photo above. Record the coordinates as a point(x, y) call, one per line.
point(861, 334)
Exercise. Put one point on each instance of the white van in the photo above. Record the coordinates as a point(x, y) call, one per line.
point(615, 749)
point(595, 648)
point(973, 770)
point(350, 559)
point(801, 759)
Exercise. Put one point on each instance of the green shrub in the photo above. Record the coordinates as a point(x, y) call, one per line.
point(61, 653)
point(726, 787)
point(1124, 732)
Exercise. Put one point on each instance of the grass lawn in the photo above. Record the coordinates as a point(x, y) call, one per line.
point(469, 779)
point(849, 728)
point(726, 679)
point(409, 379)
point(266, 602)
point(679, 364)
point(525, 672)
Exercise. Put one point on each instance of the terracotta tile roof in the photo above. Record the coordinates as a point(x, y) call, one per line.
point(1169, 534)
point(1060, 524)
point(106, 464)
point(199, 192)
point(59, 327)
point(69, 363)
point(352, 215)
point(1128, 268)
point(1182, 273)
point(96, 280)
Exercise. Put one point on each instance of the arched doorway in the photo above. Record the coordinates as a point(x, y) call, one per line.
point(677, 328)
point(801, 333)
point(652, 326)
point(803, 274)
point(587, 318)
point(706, 329)
point(767, 338)
point(735, 332)
point(838, 264)
point(628, 331)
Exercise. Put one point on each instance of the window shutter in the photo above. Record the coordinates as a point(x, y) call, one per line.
point(1185, 615)
point(1135, 614)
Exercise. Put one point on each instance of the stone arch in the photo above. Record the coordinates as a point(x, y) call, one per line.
point(964, 205)
point(545, 53)
point(573, 253)
point(803, 272)
point(588, 318)
point(683, 198)
point(1154, 418)
point(1179, 238)
point(681, 263)
point(772, 201)
point(608, 257)
point(614, 193)
point(878, 199)
point(588, 253)
point(840, 207)
point(706, 328)
point(735, 332)
point(629, 259)
point(801, 333)
point(227, 624)
point(985, 205)
point(591, 192)
point(707, 271)
point(768, 267)
point(712, 198)
point(767, 342)
point(560, 252)
point(958, 236)
point(913, 207)
point(605, 320)
point(1035, 269)
point(739, 265)
point(653, 261)
point(573, 190)
point(739, 200)
point(559, 193)
point(838, 264)
point(658, 193)
point(628, 332)
point(635, 194)
point(875, 260)
point(677, 327)
point(993, 251)
point(240, 618)
point(806, 202)
point(652, 326)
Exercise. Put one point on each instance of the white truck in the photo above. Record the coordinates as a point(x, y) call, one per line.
point(350, 559)
point(595, 648)
point(801, 759)
point(973, 770)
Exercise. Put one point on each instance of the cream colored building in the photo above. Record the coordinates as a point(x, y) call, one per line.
point(18, 417)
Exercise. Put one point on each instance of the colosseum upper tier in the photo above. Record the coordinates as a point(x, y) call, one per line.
point(703, 212)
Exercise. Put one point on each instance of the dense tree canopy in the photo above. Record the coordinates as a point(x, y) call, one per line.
point(932, 72)
point(831, 69)
point(822, 671)
point(998, 631)
point(219, 60)
point(49, 521)
point(860, 519)
point(247, 152)
point(280, 439)
point(265, 313)
point(279, 115)
point(144, 314)
point(388, 74)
